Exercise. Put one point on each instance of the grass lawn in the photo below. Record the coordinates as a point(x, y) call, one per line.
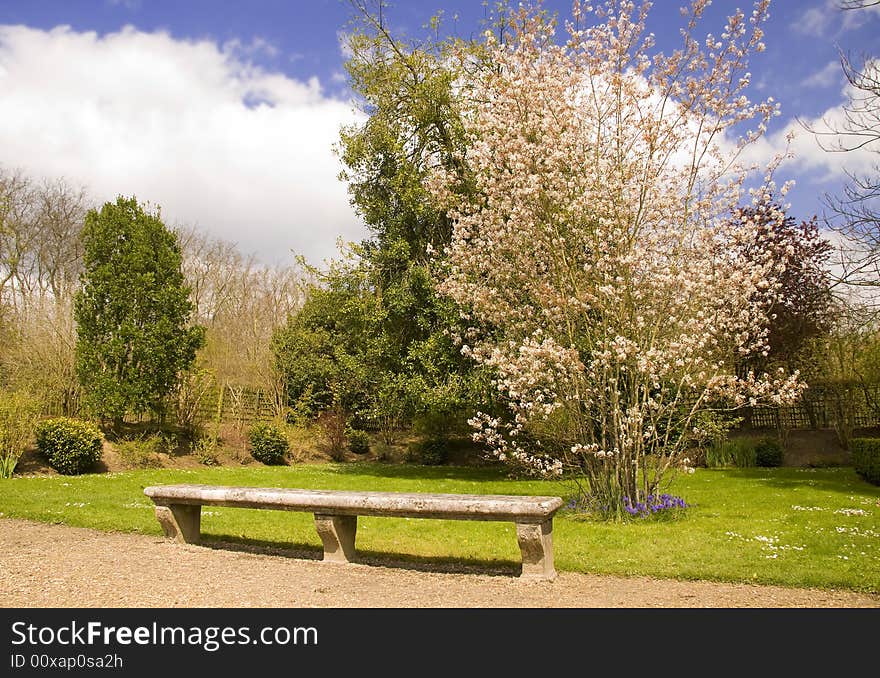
point(794, 527)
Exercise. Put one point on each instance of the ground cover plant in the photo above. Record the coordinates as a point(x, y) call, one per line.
point(794, 527)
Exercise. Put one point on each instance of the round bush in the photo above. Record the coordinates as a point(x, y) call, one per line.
point(71, 446)
point(268, 443)
point(768, 452)
point(358, 441)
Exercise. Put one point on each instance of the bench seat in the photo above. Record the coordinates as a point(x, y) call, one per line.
point(178, 509)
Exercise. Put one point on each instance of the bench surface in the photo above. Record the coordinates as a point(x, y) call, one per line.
point(523, 509)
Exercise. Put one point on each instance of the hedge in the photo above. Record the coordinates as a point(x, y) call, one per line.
point(866, 458)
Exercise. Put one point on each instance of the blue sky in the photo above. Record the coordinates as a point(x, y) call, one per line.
point(157, 98)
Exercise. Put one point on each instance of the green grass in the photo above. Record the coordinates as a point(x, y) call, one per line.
point(779, 526)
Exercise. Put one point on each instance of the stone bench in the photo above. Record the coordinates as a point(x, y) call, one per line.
point(178, 509)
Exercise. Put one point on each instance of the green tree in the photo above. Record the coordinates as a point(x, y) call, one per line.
point(374, 337)
point(132, 312)
point(406, 88)
point(329, 352)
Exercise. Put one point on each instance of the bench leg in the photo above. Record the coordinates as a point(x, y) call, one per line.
point(181, 522)
point(337, 533)
point(536, 543)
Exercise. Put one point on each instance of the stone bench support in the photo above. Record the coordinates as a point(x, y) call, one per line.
point(178, 510)
point(337, 534)
point(181, 522)
point(536, 544)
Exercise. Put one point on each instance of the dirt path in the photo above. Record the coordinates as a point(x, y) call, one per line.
point(45, 565)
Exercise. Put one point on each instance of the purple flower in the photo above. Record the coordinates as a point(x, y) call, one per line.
point(653, 504)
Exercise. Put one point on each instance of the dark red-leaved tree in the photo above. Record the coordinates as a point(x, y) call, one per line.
point(802, 310)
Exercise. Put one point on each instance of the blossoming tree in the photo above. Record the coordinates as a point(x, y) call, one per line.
point(599, 268)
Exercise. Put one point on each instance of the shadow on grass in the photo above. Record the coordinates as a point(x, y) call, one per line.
point(843, 480)
point(301, 551)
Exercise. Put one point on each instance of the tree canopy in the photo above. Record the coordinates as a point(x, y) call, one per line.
point(132, 311)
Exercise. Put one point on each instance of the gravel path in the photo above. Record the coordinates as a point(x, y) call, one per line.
point(44, 565)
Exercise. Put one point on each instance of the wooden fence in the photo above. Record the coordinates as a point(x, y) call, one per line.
point(237, 404)
point(823, 406)
point(231, 404)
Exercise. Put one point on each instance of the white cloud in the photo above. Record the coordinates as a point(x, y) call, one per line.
point(827, 76)
point(814, 20)
point(243, 51)
point(128, 4)
point(856, 18)
point(189, 125)
point(827, 18)
point(809, 155)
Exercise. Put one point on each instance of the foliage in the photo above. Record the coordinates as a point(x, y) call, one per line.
point(866, 458)
point(19, 413)
point(603, 286)
point(846, 361)
point(337, 348)
point(384, 453)
point(205, 450)
point(392, 408)
point(38, 354)
point(40, 263)
point(329, 349)
point(802, 309)
point(706, 434)
point(768, 452)
point(358, 441)
point(241, 303)
point(432, 451)
point(333, 425)
point(413, 122)
point(71, 446)
point(268, 442)
point(372, 330)
point(738, 452)
point(143, 452)
point(192, 392)
point(132, 312)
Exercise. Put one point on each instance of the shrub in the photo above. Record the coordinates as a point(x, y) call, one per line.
point(18, 417)
point(71, 446)
point(768, 452)
point(358, 441)
point(739, 452)
point(384, 452)
point(193, 392)
point(141, 452)
point(432, 451)
point(268, 443)
point(333, 439)
point(205, 451)
point(866, 458)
